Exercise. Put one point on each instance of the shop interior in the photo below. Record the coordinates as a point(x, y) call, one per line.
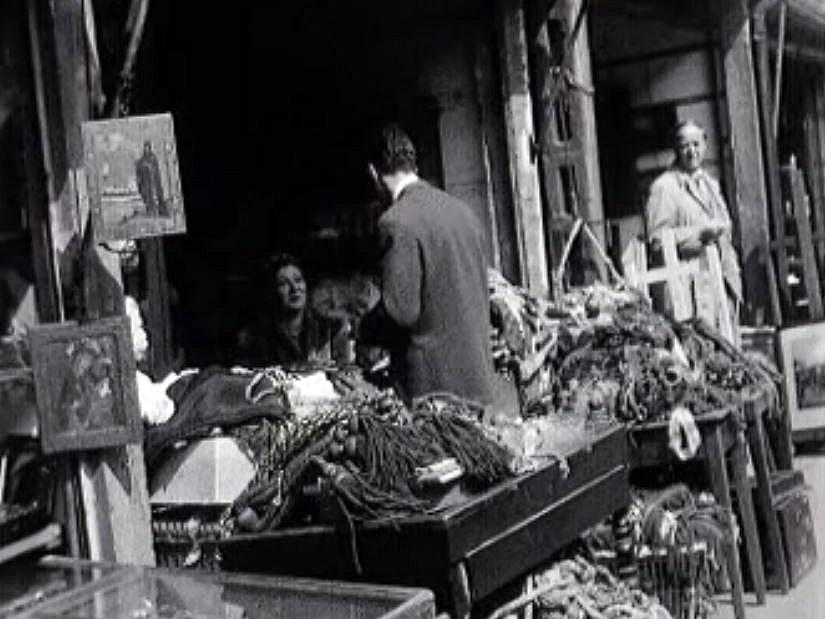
point(272, 105)
point(644, 85)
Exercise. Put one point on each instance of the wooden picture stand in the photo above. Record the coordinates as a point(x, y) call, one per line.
point(678, 276)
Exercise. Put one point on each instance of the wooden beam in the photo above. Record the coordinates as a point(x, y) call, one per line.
point(771, 158)
point(748, 198)
point(113, 481)
point(584, 126)
point(518, 116)
point(813, 125)
point(810, 269)
point(41, 172)
point(158, 320)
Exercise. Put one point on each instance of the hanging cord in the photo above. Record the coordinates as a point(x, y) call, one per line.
point(134, 25)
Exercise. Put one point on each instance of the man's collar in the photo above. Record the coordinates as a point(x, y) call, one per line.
point(406, 182)
point(684, 175)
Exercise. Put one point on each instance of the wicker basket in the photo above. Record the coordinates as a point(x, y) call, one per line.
point(187, 535)
point(679, 577)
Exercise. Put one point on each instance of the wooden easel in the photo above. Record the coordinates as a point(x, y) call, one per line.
point(709, 300)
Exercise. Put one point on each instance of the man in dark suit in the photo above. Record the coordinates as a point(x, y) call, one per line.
point(433, 280)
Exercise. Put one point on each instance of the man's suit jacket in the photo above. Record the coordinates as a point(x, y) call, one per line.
point(434, 289)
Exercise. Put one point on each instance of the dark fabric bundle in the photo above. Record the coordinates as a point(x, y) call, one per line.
point(214, 397)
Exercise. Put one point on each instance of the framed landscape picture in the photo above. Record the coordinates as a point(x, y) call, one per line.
point(132, 176)
point(84, 381)
point(802, 351)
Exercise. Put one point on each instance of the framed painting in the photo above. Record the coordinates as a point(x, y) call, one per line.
point(802, 352)
point(84, 381)
point(132, 176)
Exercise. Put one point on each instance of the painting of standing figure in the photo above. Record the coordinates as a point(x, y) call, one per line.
point(84, 379)
point(132, 176)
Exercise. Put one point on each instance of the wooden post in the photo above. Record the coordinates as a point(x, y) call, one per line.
point(748, 198)
point(113, 481)
point(518, 117)
point(499, 197)
point(158, 320)
point(810, 271)
point(583, 119)
point(815, 158)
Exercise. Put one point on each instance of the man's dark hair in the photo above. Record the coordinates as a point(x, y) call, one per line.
point(393, 151)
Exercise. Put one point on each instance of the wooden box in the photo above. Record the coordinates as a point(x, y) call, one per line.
point(797, 529)
point(465, 552)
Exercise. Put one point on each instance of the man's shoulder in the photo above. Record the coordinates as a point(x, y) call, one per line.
point(668, 179)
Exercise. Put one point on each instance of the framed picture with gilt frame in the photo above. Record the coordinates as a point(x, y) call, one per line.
point(132, 177)
point(84, 382)
point(802, 356)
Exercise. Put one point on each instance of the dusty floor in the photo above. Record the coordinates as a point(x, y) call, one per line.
point(807, 599)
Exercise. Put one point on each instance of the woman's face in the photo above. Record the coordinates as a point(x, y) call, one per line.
point(290, 288)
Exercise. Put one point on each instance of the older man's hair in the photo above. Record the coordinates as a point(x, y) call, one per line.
point(393, 151)
point(681, 126)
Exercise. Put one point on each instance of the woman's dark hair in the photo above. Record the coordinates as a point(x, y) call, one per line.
point(275, 263)
point(393, 151)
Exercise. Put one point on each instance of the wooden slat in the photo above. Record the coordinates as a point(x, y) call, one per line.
point(113, 482)
point(499, 197)
point(583, 113)
point(518, 117)
point(158, 321)
point(810, 272)
point(817, 159)
point(749, 197)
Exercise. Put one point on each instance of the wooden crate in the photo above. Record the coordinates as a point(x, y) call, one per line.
point(466, 552)
point(797, 530)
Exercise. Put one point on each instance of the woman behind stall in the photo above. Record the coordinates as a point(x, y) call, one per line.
point(288, 332)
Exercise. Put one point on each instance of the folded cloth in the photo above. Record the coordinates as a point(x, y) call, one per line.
point(683, 434)
point(213, 397)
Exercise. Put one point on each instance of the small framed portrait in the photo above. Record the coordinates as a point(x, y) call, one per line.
point(84, 381)
point(802, 351)
point(132, 176)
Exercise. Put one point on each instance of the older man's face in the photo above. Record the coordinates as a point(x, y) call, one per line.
point(690, 148)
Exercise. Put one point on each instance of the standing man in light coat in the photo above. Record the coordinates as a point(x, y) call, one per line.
point(688, 200)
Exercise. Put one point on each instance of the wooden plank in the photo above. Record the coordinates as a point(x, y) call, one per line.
point(816, 116)
point(748, 197)
point(499, 196)
point(41, 191)
point(113, 482)
point(529, 543)
point(47, 539)
point(723, 312)
point(583, 116)
point(518, 117)
point(679, 290)
point(810, 272)
point(158, 320)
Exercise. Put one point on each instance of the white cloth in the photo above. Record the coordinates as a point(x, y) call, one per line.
point(155, 406)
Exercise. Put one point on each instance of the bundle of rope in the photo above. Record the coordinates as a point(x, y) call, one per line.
point(366, 452)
